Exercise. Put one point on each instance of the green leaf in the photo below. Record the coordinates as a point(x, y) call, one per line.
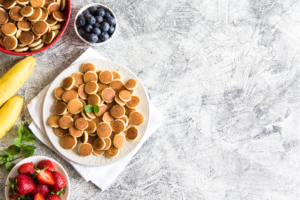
point(10, 158)
point(17, 142)
point(13, 150)
point(2, 160)
point(96, 109)
point(27, 147)
point(9, 166)
point(88, 108)
point(28, 153)
point(27, 133)
point(5, 152)
point(21, 131)
point(29, 139)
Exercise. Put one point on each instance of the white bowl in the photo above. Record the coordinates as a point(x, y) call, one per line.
point(35, 160)
point(106, 9)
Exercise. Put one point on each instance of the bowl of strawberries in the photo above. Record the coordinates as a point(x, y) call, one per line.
point(37, 178)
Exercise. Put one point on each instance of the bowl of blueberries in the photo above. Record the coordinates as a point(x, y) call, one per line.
point(95, 24)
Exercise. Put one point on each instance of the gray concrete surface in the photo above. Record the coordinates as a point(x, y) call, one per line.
point(225, 74)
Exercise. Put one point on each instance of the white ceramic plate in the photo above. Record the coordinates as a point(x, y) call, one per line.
point(49, 104)
point(35, 160)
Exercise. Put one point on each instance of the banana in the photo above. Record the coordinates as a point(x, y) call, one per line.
point(14, 78)
point(9, 114)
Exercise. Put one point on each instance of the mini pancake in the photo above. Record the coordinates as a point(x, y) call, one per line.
point(9, 29)
point(3, 16)
point(81, 92)
point(98, 152)
point(44, 16)
point(124, 95)
point(59, 16)
point(68, 114)
point(90, 76)
point(83, 102)
point(75, 132)
point(117, 85)
point(108, 95)
point(58, 101)
point(97, 120)
point(35, 43)
point(49, 37)
point(131, 91)
point(21, 49)
point(63, 4)
point(103, 109)
point(132, 133)
point(119, 101)
point(65, 122)
point(26, 11)
point(21, 44)
point(81, 123)
point(47, 2)
point(85, 149)
point(98, 72)
point(18, 33)
point(128, 111)
point(59, 2)
point(68, 83)
point(10, 42)
point(15, 13)
point(112, 136)
point(108, 118)
point(84, 115)
point(118, 126)
point(24, 25)
point(112, 152)
point(53, 7)
point(91, 139)
point(134, 102)
point(69, 95)
point(75, 106)
point(37, 14)
point(54, 120)
point(9, 4)
point(136, 119)
point(61, 108)
point(94, 99)
point(58, 92)
point(99, 144)
point(91, 87)
point(119, 141)
point(78, 78)
point(91, 115)
point(88, 67)
point(112, 104)
point(37, 37)
point(23, 2)
point(56, 27)
point(131, 84)
point(93, 134)
point(26, 37)
point(77, 116)
point(78, 139)
point(68, 142)
point(125, 120)
point(1, 40)
point(91, 127)
point(105, 77)
point(40, 28)
point(107, 143)
point(40, 46)
point(51, 21)
point(116, 75)
point(84, 138)
point(103, 130)
point(75, 88)
point(37, 3)
point(101, 87)
point(61, 132)
point(117, 111)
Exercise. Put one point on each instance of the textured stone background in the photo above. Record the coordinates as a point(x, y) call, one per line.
point(225, 74)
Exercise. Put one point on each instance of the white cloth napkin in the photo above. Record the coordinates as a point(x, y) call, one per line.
point(100, 176)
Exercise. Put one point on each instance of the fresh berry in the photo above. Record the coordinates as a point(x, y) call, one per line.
point(60, 182)
point(104, 36)
point(27, 169)
point(86, 16)
point(81, 31)
point(100, 12)
point(96, 31)
point(38, 196)
point(97, 25)
point(44, 176)
point(46, 163)
point(111, 29)
point(21, 184)
point(86, 12)
point(13, 194)
point(88, 28)
point(91, 20)
point(80, 21)
point(92, 38)
point(99, 19)
point(104, 27)
point(93, 10)
point(107, 14)
point(111, 20)
point(53, 197)
point(44, 190)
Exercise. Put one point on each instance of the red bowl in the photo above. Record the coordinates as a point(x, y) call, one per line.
point(67, 12)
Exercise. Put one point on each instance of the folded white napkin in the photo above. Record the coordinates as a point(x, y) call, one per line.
point(100, 176)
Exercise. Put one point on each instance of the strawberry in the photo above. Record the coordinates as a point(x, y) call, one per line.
point(46, 163)
point(21, 184)
point(44, 190)
point(60, 182)
point(27, 169)
point(44, 176)
point(38, 196)
point(53, 197)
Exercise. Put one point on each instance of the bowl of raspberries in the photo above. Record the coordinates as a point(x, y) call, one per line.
point(95, 24)
point(37, 178)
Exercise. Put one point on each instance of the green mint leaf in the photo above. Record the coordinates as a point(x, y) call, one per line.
point(5, 152)
point(29, 139)
point(15, 151)
point(27, 147)
point(20, 131)
point(17, 142)
point(10, 148)
point(27, 133)
point(28, 153)
point(2, 160)
point(10, 158)
point(96, 109)
point(88, 108)
point(9, 166)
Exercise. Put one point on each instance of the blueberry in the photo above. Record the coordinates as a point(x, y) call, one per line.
point(104, 36)
point(93, 9)
point(81, 31)
point(91, 20)
point(88, 28)
point(100, 12)
point(96, 31)
point(111, 20)
point(111, 29)
point(92, 38)
point(99, 19)
point(97, 25)
point(107, 14)
point(80, 21)
point(86, 12)
point(104, 27)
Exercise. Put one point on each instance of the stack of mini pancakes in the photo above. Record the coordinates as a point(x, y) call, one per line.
point(29, 24)
point(99, 132)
